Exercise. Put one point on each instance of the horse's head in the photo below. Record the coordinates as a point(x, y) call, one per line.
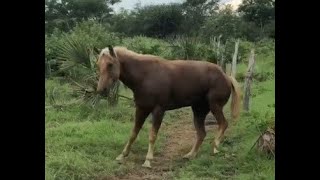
point(109, 69)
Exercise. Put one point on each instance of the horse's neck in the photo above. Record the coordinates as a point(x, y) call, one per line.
point(130, 74)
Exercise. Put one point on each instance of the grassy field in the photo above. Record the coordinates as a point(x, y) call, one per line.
point(82, 142)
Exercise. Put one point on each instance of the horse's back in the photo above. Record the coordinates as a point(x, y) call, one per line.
point(196, 81)
point(180, 83)
point(196, 73)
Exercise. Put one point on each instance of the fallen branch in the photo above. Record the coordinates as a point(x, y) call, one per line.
point(125, 97)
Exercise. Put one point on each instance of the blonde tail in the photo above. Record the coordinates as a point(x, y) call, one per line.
point(236, 98)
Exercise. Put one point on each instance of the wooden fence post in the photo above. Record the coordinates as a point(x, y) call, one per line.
point(218, 45)
point(248, 81)
point(222, 63)
point(228, 69)
point(234, 59)
point(48, 66)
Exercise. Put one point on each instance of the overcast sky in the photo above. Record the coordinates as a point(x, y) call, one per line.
point(130, 4)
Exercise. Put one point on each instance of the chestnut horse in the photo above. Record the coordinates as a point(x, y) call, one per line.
point(159, 85)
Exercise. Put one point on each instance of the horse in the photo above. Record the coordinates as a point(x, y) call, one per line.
point(159, 85)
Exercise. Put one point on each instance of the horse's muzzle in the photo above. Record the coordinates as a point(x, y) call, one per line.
point(104, 91)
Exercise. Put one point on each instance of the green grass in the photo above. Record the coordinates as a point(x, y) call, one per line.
point(82, 142)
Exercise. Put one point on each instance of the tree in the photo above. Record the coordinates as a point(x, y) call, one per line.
point(63, 14)
point(195, 12)
point(122, 22)
point(225, 23)
point(159, 20)
point(55, 16)
point(84, 9)
point(261, 12)
point(153, 21)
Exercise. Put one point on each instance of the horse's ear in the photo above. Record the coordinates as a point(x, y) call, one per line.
point(111, 51)
point(96, 50)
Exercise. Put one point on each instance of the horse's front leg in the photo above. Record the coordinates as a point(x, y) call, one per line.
point(157, 116)
point(140, 117)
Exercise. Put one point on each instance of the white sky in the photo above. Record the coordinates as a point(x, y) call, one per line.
point(130, 4)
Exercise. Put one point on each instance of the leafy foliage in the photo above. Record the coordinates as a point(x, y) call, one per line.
point(261, 13)
point(65, 14)
point(225, 23)
point(153, 21)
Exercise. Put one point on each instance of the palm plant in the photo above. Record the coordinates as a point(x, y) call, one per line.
point(76, 54)
point(73, 53)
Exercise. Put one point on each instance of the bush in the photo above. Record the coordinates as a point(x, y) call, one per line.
point(145, 45)
point(192, 48)
point(224, 23)
point(95, 34)
point(266, 47)
point(90, 33)
point(71, 52)
point(244, 51)
point(263, 75)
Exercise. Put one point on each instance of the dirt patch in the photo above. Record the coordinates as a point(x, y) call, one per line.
point(180, 136)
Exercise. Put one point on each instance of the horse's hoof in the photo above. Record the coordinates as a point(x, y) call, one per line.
point(146, 164)
point(215, 151)
point(188, 156)
point(120, 157)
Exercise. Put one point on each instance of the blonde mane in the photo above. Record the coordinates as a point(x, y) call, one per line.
point(123, 51)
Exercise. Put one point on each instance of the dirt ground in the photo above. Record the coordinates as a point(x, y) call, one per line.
point(180, 138)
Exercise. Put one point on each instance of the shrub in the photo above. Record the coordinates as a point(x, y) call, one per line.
point(89, 33)
point(145, 45)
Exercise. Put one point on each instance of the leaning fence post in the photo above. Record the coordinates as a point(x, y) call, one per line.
point(234, 59)
point(248, 81)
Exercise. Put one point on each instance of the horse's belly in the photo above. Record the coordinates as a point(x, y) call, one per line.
point(175, 105)
point(179, 102)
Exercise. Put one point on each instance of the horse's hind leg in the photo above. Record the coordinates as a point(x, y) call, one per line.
point(157, 116)
point(217, 110)
point(199, 115)
point(141, 115)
